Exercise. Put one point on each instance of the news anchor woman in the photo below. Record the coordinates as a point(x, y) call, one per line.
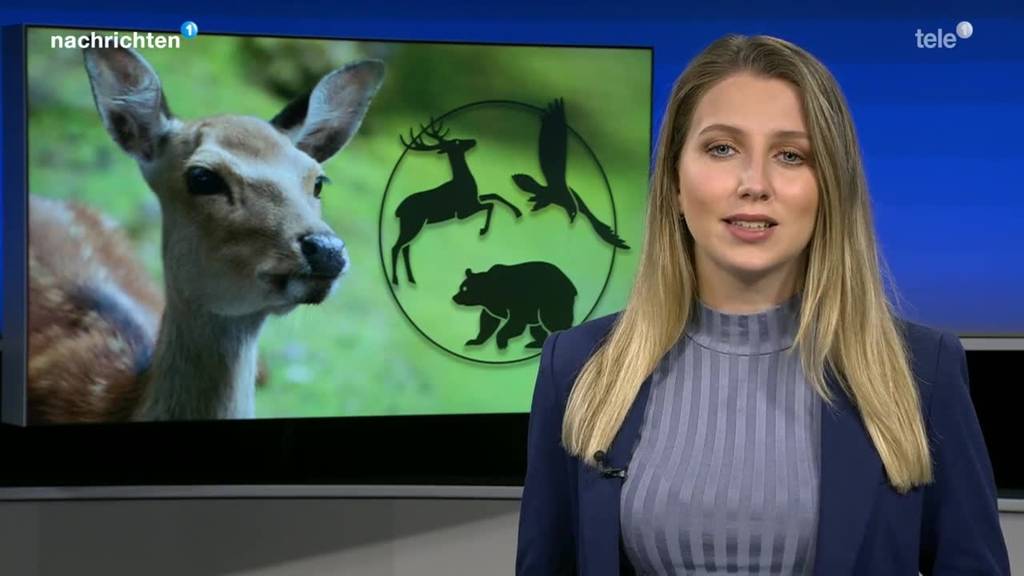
point(758, 407)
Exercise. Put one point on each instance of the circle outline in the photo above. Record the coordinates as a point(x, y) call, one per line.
point(968, 29)
point(380, 227)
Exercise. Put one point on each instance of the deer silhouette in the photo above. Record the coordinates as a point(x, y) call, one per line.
point(456, 198)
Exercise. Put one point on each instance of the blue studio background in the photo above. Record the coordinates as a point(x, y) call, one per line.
point(941, 128)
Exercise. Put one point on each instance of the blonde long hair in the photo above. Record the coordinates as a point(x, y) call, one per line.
point(847, 324)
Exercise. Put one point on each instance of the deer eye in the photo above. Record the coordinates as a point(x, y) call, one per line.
point(320, 181)
point(205, 182)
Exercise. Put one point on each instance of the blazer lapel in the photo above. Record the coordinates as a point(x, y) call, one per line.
point(851, 472)
point(601, 495)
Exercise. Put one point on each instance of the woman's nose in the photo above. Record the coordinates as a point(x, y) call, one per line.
point(754, 180)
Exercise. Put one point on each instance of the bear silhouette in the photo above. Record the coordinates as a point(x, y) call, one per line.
point(534, 294)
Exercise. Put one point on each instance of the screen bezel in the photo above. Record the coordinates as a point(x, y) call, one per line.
point(456, 450)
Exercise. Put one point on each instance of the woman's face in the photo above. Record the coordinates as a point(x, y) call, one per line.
point(747, 153)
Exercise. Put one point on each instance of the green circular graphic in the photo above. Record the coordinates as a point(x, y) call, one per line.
point(491, 156)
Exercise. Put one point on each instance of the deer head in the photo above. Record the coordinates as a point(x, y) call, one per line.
point(433, 130)
point(239, 196)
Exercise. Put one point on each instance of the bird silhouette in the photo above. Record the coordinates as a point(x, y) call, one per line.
point(553, 150)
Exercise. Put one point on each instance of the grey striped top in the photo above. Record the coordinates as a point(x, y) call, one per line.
point(724, 478)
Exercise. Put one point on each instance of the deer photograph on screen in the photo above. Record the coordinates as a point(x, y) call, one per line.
point(235, 227)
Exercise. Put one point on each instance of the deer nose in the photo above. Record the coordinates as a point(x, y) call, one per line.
point(325, 254)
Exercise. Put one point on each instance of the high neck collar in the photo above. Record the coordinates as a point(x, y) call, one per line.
point(762, 332)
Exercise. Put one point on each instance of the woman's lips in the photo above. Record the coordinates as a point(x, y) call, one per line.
point(750, 234)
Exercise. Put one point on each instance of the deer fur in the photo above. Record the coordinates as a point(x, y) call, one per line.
point(242, 237)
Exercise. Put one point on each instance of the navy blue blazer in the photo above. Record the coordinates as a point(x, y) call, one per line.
point(569, 517)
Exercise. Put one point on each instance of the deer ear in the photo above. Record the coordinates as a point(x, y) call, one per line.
point(321, 122)
point(129, 98)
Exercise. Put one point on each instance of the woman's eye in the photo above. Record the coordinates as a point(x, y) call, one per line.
point(720, 150)
point(205, 182)
point(791, 157)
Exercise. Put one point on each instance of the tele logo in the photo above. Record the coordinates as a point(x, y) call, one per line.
point(940, 39)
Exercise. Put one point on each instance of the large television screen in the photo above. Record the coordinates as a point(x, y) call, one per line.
point(238, 226)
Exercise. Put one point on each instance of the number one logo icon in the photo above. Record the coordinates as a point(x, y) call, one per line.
point(189, 30)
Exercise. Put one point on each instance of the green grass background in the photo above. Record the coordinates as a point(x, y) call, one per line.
point(358, 354)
